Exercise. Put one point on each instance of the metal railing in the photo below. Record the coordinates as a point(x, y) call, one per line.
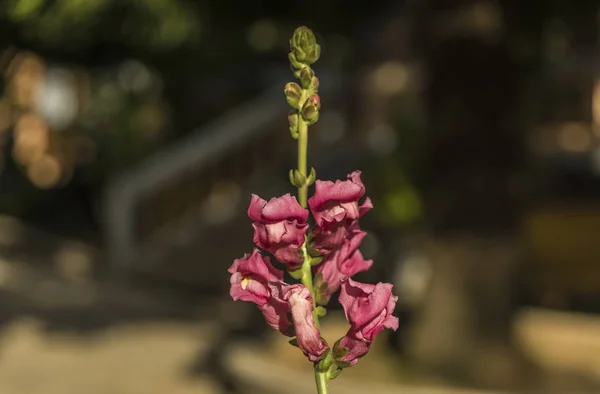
point(236, 145)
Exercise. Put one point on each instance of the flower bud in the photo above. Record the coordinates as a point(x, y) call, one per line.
point(314, 84)
point(297, 178)
point(306, 76)
point(310, 110)
point(304, 46)
point(293, 119)
point(293, 94)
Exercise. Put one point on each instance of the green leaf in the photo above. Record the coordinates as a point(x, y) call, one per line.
point(322, 288)
point(297, 274)
point(342, 364)
point(293, 342)
point(311, 177)
point(321, 299)
point(313, 252)
point(339, 351)
point(318, 279)
point(316, 260)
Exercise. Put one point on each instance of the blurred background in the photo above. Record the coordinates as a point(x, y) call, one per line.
point(132, 133)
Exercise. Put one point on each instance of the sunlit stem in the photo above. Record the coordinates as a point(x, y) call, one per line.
point(307, 280)
point(322, 382)
point(302, 159)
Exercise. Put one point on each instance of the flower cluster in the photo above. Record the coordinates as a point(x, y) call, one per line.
point(328, 253)
point(323, 258)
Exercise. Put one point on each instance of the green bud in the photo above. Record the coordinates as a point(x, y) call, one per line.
point(306, 76)
point(297, 178)
point(321, 312)
point(304, 45)
point(310, 109)
point(293, 94)
point(296, 65)
point(293, 119)
point(314, 84)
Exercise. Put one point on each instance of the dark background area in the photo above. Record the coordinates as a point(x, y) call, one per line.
point(133, 133)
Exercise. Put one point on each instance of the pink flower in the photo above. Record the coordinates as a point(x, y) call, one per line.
point(326, 241)
point(254, 279)
point(368, 309)
point(335, 202)
point(250, 278)
point(308, 337)
point(340, 265)
point(335, 209)
point(276, 311)
point(279, 226)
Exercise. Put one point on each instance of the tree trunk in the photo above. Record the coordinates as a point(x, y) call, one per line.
point(473, 152)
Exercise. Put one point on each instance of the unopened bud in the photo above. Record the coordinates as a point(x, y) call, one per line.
point(293, 119)
point(314, 84)
point(297, 178)
point(304, 46)
point(296, 65)
point(293, 94)
point(306, 76)
point(310, 110)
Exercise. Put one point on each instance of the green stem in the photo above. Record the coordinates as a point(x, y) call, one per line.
point(322, 383)
point(307, 279)
point(302, 154)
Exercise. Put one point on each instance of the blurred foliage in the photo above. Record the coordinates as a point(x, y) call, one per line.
point(393, 185)
point(153, 24)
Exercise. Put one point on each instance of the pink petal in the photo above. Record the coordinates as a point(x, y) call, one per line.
point(284, 208)
point(307, 335)
point(367, 306)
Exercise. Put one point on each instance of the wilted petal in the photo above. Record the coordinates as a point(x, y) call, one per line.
point(307, 335)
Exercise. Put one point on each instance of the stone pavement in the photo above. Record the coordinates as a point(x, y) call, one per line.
point(148, 358)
